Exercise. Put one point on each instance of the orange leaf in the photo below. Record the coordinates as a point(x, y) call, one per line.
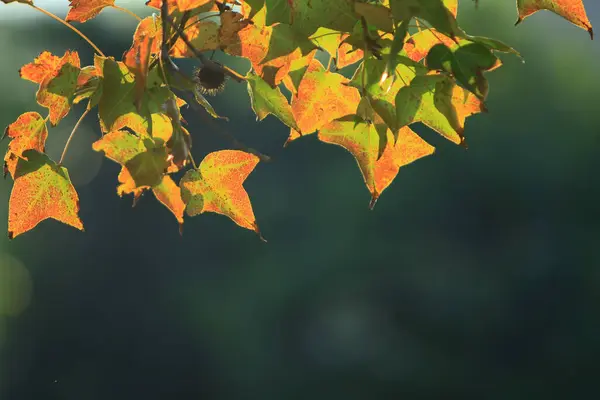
point(57, 88)
point(148, 27)
point(169, 194)
point(322, 97)
point(252, 42)
point(41, 66)
point(202, 33)
point(83, 10)
point(216, 186)
point(28, 132)
point(362, 141)
point(137, 59)
point(181, 5)
point(347, 55)
point(41, 190)
point(571, 10)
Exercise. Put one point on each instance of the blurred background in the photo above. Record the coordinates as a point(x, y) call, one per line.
point(476, 275)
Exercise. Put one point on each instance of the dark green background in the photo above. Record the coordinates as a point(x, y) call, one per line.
point(476, 275)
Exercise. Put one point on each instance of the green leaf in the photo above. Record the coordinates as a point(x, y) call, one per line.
point(117, 106)
point(466, 62)
point(284, 40)
point(266, 100)
point(307, 16)
point(144, 158)
point(362, 141)
point(376, 15)
point(433, 11)
point(438, 103)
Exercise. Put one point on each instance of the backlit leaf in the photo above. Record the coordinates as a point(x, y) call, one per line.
point(144, 159)
point(169, 194)
point(83, 10)
point(571, 10)
point(466, 62)
point(42, 65)
point(322, 97)
point(438, 103)
point(266, 100)
point(57, 88)
point(216, 186)
point(362, 141)
point(41, 190)
point(28, 132)
point(117, 107)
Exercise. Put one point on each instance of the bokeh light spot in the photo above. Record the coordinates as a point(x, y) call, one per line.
point(15, 286)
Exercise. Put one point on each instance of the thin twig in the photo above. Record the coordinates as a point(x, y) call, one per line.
point(126, 11)
point(64, 153)
point(68, 25)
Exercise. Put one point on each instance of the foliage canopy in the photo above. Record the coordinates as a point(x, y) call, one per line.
point(413, 63)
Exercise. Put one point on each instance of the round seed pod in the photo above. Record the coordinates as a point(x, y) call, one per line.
point(209, 81)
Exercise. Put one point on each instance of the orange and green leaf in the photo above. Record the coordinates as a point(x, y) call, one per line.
point(572, 10)
point(216, 186)
point(322, 97)
point(83, 10)
point(41, 66)
point(58, 81)
point(169, 194)
point(438, 103)
point(362, 141)
point(41, 190)
point(28, 132)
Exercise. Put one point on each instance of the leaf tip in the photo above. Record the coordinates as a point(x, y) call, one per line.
point(591, 32)
point(260, 236)
point(181, 229)
point(374, 199)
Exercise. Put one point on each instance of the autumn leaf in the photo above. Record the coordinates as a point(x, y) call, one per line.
point(438, 103)
point(216, 186)
point(382, 89)
point(266, 100)
point(435, 12)
point(58, 81)
point(202, 33)
point(41, 190)
point(42, 65)
point(28, 132)
point(376, 15)
point(362, 141)
point(144, 158)
point(572, 10)
point(137, 60)
point(183, 5)
point(466, 62)
point(169, 194)
point(83, 10)
point(307, 16)
point(117, 106)
point(348, 55)
point(252, 42)
point(298, 69)
point(322, 97)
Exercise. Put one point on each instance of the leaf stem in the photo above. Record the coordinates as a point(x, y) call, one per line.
point(126, 11)
point(62, 157)
point(68, 25)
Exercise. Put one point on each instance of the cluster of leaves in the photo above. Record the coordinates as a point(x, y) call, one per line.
point(412, 61)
